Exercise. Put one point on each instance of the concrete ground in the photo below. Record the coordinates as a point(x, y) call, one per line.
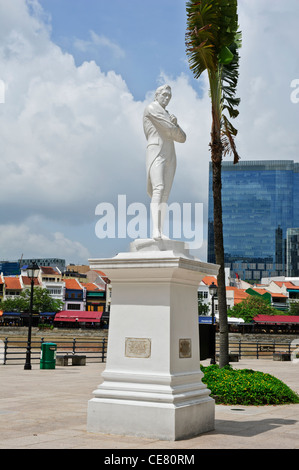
point(47, 409)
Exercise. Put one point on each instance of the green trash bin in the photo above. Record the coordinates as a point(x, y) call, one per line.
point(48, 356)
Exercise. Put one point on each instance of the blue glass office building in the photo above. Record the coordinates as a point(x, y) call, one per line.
point(260, 201)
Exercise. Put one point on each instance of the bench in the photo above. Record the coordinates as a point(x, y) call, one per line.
point(63, 360)
point(78, 360)
point(281, 356)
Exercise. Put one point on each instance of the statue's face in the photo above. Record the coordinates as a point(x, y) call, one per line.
point(164, 98)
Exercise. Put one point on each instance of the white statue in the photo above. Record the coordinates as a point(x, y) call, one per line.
point(161, 130)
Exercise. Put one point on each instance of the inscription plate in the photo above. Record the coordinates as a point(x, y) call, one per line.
point(185, 348)
point(138, 347)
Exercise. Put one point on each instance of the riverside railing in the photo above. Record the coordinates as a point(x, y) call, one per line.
point(259, 349)
point(94, 350)
point(14, 350)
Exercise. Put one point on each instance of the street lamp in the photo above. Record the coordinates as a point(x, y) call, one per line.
point(32, 272)
point(213, 292)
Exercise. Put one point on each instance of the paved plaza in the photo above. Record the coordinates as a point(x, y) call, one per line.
point(47, 409)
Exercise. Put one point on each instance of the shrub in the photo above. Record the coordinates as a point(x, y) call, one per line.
point(251, 307)
point(246, 387)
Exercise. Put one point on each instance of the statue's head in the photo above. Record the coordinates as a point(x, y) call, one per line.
point(163, 95)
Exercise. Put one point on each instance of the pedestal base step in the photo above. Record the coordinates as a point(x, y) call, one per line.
point(141, 419)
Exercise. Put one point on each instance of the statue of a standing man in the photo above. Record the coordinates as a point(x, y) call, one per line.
point(161, 130)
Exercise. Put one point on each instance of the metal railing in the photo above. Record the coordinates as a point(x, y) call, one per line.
point(15, 350)
point(258, 349)
point(96, 350)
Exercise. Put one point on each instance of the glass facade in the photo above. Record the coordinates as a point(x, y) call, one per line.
point(259, 203)
point(293, 252)
point(10, 268)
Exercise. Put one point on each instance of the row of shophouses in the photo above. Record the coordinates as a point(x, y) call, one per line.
point(86, 296)
point(279, 292)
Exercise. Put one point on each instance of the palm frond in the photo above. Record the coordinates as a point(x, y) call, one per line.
point(229, 78)
point(212, 26)
point(201, 36)
point(228, 134)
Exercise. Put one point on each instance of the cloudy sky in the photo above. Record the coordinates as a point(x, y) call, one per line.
point(78, 75)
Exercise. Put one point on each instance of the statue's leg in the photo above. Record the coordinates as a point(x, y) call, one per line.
point(168, 176)
point(157, 180)
point(156, 220)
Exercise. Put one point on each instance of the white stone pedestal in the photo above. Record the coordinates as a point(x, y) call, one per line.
point(152, 382)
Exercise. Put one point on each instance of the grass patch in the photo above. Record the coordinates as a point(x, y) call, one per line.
point(246, 387)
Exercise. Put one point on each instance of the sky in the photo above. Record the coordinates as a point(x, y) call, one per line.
point(75, 77)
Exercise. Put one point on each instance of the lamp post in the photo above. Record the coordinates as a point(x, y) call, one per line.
point(213, 292)
point(32, 272)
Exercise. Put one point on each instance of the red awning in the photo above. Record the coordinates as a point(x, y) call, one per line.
point(276, 319)
point(78, 316)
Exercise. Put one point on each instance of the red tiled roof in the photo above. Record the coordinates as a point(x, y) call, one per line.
point(90, 286)
point(209, 279)
point(287, 284)
point(49, 270)
point(72, 284)
point(12, 283)
point(239, 294)
point(100, 273)
point(274, 294)
point(260, 291)
point(27, 281)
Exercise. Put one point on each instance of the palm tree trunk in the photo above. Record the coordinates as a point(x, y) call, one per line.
point(216, 151)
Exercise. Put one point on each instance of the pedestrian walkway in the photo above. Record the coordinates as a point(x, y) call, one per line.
point(47, 409)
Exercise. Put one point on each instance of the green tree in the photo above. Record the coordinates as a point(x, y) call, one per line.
point(203, 308)
point(42, 302)
point(212, 43)
point(251, 307)
point(294, 308)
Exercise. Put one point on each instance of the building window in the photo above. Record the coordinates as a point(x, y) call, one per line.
point(54, 291)
point(73, 306)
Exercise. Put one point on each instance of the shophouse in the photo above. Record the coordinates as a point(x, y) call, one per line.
point(74, 295)
point(95, 297)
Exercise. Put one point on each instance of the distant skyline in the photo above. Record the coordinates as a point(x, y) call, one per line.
point(78, 75)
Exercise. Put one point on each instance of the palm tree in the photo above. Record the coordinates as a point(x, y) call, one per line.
point(212, 43)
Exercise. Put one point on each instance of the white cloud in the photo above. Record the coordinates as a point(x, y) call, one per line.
point(97, 42)
point(268, 119)
point(63, 128)
point(71, 136)
point(16, 239)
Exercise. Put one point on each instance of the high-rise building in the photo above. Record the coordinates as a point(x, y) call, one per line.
point(293, 252)
point(10, 268)
point(260, 201)
point(50, 262)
